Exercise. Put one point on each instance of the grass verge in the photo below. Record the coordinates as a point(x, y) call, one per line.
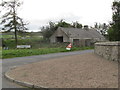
point(11, 53)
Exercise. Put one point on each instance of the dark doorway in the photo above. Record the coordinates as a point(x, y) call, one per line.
point(76, 42)
point(59, 39)
point(87, 42)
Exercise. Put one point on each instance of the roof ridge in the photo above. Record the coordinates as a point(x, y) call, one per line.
point(73, 32)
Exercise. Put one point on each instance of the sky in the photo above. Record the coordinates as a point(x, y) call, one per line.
point(39, 12)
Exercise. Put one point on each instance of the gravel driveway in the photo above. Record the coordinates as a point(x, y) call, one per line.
point(86, 70)
point(8, 63)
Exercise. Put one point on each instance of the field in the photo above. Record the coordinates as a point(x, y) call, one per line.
point(39, 46)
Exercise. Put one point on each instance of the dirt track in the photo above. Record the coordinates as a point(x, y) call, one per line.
point(77, 71)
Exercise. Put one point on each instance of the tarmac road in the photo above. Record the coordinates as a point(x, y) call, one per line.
point(8, 63)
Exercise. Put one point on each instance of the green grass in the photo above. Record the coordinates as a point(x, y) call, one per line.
point(39, 47)
point(8, 36)
point(29, 52)
point(0, 52)
point(32, 41)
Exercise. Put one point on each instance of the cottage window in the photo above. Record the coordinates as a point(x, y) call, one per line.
point(76, 42)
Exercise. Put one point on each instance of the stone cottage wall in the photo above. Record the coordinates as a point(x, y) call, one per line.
point(108, 50)
point(59, 33)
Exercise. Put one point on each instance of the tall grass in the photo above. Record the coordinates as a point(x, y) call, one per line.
point(39, 47)
point(29, 52)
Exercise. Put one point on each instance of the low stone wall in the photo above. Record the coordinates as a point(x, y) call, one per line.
point(108, 50)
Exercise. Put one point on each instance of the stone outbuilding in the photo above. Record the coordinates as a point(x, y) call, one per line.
point(81, 37)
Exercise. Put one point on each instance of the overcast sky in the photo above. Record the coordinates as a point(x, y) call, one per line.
point(39, 12)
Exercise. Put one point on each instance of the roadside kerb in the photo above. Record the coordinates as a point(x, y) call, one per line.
point(26, 84)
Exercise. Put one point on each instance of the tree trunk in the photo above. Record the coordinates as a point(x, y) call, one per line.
point(15, 28)
point(16, 40)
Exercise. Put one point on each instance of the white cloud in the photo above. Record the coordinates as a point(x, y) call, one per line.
point(40, 12)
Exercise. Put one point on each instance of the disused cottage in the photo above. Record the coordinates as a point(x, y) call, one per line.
point(81, 37)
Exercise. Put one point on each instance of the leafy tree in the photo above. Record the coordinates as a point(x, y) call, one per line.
point(62, 23)
point(77, 25)
point(48, 30)
point(52, 27)
point(115, 26)
point(111, 33)
point(102, 28)
point(96, 25)
point(10, 20)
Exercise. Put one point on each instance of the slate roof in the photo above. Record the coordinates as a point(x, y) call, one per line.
point(81, 33)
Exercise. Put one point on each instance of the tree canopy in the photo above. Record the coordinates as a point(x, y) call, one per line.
point(102, 28)
point(114, 31)
point(10, 20)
